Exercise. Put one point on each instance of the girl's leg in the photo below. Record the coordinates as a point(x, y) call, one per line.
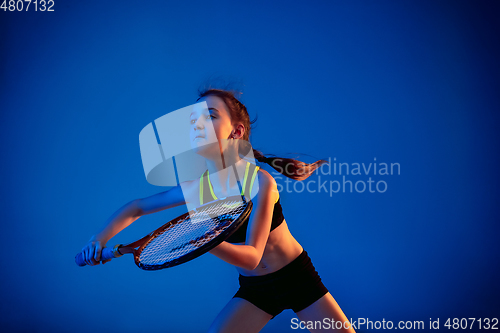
point(325, 307)
point(239, 315)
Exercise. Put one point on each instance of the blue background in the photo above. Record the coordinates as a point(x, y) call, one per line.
point(408, 82)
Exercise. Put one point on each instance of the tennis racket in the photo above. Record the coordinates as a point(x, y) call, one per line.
point(185, 237)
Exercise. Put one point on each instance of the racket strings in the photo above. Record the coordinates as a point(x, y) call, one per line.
point(193, 231)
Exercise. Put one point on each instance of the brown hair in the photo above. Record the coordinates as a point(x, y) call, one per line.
point(289, 167)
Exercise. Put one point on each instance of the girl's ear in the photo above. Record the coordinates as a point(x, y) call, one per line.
point(238, 132)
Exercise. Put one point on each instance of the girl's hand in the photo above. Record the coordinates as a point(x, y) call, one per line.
point(92, 252)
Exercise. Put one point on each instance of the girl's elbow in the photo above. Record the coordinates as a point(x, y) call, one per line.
point(134, 208)
point(251, 266)
point(255, 261)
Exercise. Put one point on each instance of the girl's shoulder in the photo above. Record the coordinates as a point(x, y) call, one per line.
point(265, 182)
point(265, 176)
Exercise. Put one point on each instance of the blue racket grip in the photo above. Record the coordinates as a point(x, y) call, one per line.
point(106, 253)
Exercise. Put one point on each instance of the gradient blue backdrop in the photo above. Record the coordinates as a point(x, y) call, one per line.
point(408, 82)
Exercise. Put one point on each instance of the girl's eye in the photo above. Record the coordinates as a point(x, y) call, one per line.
point(210, 116)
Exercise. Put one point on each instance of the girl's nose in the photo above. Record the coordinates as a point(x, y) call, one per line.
point(200, 123)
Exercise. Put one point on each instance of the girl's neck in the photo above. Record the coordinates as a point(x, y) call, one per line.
point(222, 174)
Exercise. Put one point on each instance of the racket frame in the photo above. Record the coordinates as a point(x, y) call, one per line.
point(142, 243)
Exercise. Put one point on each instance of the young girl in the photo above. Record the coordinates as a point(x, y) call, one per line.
point(275, 272)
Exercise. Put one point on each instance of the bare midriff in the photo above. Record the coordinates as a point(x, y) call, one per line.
point(281, 249)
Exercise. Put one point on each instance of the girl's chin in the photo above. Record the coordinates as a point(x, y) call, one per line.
point(199, 143)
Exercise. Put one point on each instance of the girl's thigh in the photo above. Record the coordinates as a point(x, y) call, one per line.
point(239, 315)
point(325, 307)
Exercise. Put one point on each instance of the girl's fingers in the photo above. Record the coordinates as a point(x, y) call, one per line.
point(97, 255)
point(86, 255)
point(89, 257)
point(93, 255)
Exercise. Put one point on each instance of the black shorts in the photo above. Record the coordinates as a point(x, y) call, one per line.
point(295, 286)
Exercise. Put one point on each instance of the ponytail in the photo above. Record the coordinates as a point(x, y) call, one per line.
point(289, 167)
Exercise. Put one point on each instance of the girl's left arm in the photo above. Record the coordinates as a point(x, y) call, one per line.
point(248, 256)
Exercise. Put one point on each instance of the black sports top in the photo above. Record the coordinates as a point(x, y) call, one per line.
point(241, 233)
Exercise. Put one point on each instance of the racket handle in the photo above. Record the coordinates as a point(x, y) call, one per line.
point(106, 253)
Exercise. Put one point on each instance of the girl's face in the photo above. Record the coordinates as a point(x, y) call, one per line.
point(210, 126)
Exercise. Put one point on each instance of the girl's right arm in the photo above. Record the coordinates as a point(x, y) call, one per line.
point(124, 217)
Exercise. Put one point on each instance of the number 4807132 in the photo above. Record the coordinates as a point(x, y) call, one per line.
point(24, 5)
